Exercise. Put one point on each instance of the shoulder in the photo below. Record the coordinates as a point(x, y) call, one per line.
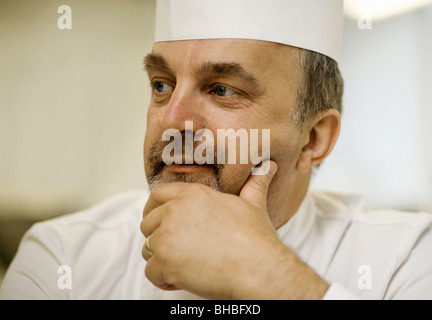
point(395, 246)
point(93, 243)
point(369, 229)
point(353, 209)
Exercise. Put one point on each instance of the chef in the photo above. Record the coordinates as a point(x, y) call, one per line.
point(217, 231)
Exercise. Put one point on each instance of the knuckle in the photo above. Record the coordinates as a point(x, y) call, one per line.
point(260, 185)
point(171, 277)
point(157, 191)
point(158, 188)
point(256, 187)
point(196, 188)
point(170, 209)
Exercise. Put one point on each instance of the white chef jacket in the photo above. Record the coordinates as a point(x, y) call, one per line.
point(361, 253)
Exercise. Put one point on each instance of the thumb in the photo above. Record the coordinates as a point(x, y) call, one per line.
point(255, 188)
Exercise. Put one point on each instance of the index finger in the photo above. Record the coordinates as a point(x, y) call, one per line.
point(163, 193)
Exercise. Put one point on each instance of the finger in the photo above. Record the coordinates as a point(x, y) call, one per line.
point(159, 197)
point(154, 273)
point(256, 186)
point(154, 270)
point(150, 205)
point(151, 221)
point(162, 193)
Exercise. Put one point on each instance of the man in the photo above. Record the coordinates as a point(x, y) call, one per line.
point(233, 229)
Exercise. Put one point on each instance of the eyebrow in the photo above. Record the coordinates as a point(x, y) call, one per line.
point(155, 61)
point(228, 69)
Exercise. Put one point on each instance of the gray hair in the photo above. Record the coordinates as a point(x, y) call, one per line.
point(320, 88)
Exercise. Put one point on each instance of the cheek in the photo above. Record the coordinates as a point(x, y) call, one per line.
point(285, 148)
point(234, 176)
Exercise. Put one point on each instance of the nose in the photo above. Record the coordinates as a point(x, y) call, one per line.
point(185, 104)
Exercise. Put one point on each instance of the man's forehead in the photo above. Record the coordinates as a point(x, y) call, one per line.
point(222, 54)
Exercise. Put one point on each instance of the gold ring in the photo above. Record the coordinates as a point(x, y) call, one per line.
point(147, 246)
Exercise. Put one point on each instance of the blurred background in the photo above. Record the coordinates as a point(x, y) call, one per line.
point(73, 107)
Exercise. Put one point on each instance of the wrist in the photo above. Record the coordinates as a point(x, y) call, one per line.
point(286, 277)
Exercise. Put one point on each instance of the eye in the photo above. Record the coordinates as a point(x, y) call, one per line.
point(223, 91)
point(161, 87)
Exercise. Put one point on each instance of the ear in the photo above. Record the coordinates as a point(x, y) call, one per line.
point(320, 136)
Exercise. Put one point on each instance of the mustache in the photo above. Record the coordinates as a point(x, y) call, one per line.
point(157, 164)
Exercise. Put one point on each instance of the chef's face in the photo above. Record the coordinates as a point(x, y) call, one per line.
point(220, 85)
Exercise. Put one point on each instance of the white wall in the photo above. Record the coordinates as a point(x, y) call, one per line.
point(72, 103)
point(385, 148)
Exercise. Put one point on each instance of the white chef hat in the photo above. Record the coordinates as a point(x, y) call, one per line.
point(315, 25)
